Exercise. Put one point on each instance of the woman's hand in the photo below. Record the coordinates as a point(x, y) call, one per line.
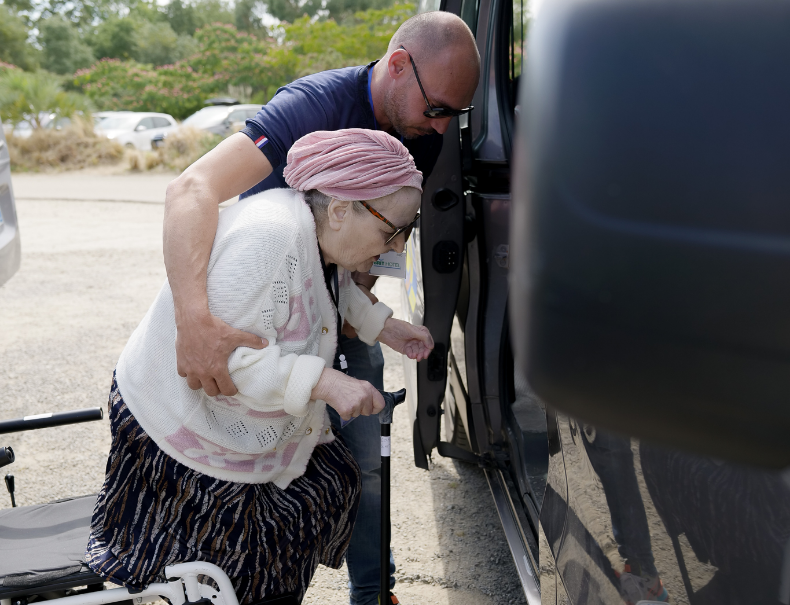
point(415, 342)
point(348, 396)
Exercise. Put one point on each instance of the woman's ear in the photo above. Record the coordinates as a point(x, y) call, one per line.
point(337, 212)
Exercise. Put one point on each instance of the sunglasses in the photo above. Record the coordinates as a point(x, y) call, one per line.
point(436, 112)
point(398, 230)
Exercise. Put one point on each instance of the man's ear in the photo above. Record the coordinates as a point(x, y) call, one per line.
point(337, 212)
point(397, 63)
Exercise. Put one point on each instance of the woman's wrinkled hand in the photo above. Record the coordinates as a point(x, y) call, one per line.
point(415, 342)
point(348, 396)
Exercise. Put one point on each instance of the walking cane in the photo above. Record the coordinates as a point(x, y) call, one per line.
point(385, 419)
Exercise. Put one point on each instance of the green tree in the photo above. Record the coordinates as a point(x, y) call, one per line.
point(291, 10)
point(31, 95)
point(343, 8)
point(208, 12)
point(63, 52)
point(115, 38)
point(227, 57)
point(83, 13)
point(158, 44)
point(182, 17)
point(247, 15)
point(14, 47)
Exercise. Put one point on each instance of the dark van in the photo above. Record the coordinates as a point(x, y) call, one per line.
point(604, 262)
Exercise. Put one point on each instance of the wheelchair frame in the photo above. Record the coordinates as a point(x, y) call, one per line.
point(182, 586)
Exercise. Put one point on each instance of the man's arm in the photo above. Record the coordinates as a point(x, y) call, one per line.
point(203, 342)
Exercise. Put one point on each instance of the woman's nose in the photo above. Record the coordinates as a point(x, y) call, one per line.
point(399, 243)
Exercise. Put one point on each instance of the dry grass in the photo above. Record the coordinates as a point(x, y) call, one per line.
point(77, 146)
point(72, 148)
point(181, 148)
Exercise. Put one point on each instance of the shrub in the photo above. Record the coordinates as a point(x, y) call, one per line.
point(74, 147)
point(181, 148)
point(30, 96)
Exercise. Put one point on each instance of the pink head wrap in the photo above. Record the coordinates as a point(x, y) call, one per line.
point(351, 164)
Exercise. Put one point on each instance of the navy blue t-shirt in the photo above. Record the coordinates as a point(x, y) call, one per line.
point(330, 100)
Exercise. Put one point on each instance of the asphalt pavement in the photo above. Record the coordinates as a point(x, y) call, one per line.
point(90, 269)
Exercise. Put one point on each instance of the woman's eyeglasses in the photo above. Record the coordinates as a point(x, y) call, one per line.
point(398, 230)
point(436, 112)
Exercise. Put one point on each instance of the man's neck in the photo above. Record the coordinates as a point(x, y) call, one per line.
point(378, 83)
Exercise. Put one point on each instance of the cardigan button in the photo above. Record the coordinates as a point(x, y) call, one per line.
point(308, 431)
point(326, 432)
point(324, 330)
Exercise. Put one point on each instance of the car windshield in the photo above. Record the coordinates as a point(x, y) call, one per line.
point(206, 117)
point(120, 123)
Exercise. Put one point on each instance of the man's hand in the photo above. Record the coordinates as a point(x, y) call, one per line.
point(348, 396)
point(204, 343)
point(415, 342)
point(202, 350)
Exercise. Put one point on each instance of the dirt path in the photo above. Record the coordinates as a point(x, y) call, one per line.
point(89, 272)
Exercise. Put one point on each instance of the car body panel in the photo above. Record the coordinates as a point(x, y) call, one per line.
point(10, 251)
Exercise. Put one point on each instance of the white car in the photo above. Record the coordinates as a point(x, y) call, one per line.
point(136, 129)
point(100, 116)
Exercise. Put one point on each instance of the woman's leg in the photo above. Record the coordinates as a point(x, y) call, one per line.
point(153, 511)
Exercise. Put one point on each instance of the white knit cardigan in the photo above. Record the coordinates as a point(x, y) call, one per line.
point(264, 277)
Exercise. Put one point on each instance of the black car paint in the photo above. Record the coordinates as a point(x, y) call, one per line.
point(717, 532)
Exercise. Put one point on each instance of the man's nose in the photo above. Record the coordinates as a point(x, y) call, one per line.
point(440, 125)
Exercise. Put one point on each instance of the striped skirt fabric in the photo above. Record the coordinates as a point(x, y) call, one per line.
point(153, 511)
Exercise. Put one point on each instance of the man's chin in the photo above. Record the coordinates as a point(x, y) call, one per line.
point(413, 133)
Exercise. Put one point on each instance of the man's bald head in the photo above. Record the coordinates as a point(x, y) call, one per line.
point(443, 49)
point(435, 33)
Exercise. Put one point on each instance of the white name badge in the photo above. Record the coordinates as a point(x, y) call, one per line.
point(390, 264)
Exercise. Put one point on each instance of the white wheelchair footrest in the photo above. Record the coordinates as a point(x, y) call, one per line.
point(182, 588)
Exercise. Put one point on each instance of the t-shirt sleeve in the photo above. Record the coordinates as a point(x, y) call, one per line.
point(292, 113)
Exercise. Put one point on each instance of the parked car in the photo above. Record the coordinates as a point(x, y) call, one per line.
point(638, 442)
point(221, 119)
point(218, 118)
point(9, 227)
point(136, 129)
point(100, 116)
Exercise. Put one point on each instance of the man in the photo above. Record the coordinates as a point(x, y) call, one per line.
point(429, 74)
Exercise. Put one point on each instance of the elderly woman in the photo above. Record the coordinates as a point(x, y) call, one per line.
point(258, 483)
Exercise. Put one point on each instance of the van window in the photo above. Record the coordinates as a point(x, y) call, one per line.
point(469, 9)
point(519, 28)
point(161, 123)
point(425, 6)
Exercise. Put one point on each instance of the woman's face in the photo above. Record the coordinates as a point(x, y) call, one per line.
point(355, 240)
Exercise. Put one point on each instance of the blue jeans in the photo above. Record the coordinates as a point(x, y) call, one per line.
point(363, 439)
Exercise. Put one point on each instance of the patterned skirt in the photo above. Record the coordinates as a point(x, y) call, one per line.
point(153, 511)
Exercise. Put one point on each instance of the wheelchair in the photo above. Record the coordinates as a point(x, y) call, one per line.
point(42, 549)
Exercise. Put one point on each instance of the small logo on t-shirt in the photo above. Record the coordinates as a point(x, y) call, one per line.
point(260, 142)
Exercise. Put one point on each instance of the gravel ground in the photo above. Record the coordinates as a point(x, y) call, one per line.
point(89, 272)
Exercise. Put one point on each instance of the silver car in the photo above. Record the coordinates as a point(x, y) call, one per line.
point(9, 228)
point(221, 119)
